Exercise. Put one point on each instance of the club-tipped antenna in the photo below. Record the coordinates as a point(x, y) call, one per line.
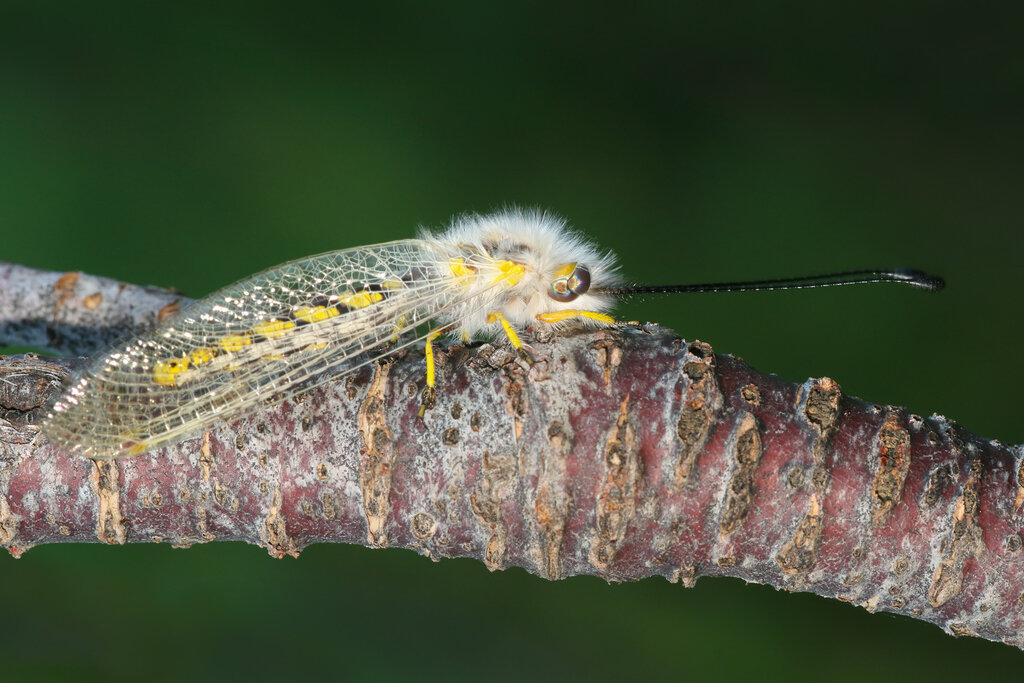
point(914, 278)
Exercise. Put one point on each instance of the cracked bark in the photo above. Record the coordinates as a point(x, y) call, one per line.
point(619, 453)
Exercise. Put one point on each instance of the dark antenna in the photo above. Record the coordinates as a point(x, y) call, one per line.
point(914, 278)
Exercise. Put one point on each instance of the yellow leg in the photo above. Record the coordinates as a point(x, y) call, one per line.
point(559, 316)
point(428, 353)
point(399, 326)
point(512, 336)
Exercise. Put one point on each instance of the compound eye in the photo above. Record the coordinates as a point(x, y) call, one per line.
point(570, 281)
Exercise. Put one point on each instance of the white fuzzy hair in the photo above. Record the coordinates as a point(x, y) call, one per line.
point(543, 243)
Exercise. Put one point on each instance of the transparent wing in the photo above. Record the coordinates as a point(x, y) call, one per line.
point(258, 339)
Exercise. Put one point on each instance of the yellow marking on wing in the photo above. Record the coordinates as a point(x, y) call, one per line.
point(165, 372)
point(202, 355)
point(272, 329)
point(559, 316)
point(361, 299)
point(235, 342)
point(315, 314)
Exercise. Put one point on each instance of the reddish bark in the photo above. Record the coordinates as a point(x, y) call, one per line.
point(621, 453)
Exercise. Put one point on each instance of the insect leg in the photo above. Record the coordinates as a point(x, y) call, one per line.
point(399, 326)
point(512, 336)
point(428, 352)
point(559, 316)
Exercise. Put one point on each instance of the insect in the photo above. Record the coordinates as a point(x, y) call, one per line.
point(265, 337)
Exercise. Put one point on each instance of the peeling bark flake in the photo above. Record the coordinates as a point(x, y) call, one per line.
point(616, 501)
point(608, 355)
point(747, 451)
point(822, 413)
point(937, 483)
point(751, 394)
point(966, 543)
point(92, 301)
point(799, 554)
point(327, 502)
point(375, 467)
point(220, 494)
point(423, 525)
point(8, 523)
point(65, 289)
point(696, 415)
point(1013, 543)
point(961, 630)
point(168, 310)
point(552, 505)
point(497, 481)
point(206, 457)
point(893, 464)
point(518, 405)
point(685, 575)
point(275, 531)
point(822, 408)
point(106, 485)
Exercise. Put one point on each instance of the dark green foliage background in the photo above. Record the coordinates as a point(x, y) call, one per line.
point(188, 145)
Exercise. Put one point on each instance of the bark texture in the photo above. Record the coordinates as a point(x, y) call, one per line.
point(620, 453)
point(75, 313)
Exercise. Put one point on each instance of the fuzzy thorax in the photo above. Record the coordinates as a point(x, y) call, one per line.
point(544, 246)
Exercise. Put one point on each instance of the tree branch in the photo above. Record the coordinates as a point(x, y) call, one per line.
point(74, 313)
point(619, 453)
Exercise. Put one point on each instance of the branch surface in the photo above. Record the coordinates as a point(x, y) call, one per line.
point(74, 313)
point(619, 453)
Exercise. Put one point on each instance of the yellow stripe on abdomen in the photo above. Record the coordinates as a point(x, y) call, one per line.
point(173, 372)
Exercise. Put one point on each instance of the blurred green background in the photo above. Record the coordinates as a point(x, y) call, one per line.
point(188, 145)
